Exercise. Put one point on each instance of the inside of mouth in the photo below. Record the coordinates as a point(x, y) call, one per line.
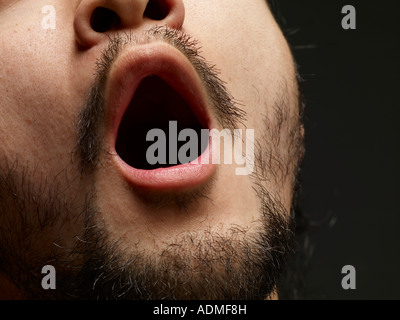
point(156, 105)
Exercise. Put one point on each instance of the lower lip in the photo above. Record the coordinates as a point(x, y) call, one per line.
point(179, 177)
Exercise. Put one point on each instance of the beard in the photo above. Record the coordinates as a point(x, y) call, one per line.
point(240, 263)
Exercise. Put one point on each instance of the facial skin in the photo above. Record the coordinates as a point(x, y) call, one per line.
point(64, 200)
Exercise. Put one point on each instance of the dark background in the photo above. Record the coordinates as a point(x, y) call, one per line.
point(351, 169)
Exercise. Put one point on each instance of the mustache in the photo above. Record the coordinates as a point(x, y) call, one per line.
point(89, 120)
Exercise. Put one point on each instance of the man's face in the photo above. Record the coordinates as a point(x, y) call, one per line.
point(76, 189)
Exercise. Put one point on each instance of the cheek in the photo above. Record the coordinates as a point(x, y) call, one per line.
point(38, 102)
point(246, 45)
point(253, 58)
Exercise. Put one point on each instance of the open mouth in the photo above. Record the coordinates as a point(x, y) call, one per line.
point(158, 108)
point(156, 105)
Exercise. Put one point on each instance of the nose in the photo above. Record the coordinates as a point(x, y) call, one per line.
point(95, 19)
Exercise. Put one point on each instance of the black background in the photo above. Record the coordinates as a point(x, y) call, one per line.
point(351, 169)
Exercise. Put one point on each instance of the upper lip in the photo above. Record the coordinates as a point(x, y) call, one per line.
point(130, 68)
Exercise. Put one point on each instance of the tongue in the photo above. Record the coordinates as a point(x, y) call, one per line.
point(155, 105)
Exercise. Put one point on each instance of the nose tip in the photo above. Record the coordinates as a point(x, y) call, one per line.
point(96, 19)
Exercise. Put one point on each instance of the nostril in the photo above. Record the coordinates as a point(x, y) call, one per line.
point(156, 10)
point(104, 19)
